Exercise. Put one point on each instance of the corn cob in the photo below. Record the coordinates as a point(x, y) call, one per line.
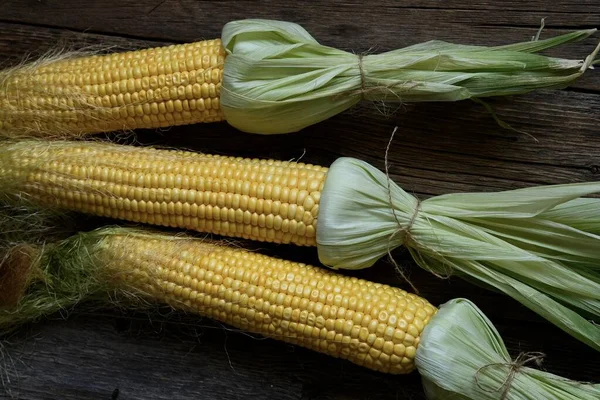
point(373, 325)
point(276, 79)
point(262, 200)
point(150, 88)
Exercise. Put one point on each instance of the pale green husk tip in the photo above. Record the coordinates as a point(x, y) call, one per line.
point(279, 79)
point(462, 356)
point(539, 245)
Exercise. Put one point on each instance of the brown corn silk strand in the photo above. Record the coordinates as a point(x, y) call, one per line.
point(16, 268)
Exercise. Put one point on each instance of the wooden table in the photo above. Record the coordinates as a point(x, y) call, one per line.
point(439, 148)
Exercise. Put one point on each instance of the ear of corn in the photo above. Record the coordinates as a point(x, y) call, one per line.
point(373, 325)
point(456, 349)
point(276, 79)
point(369, 324)
point(262, 200)
point(150, 88)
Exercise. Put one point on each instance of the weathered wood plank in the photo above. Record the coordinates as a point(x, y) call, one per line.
point(439, 148)
point(20, 42)
point(188, 16)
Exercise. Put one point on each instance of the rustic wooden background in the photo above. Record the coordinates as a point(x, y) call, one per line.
point(440, 148)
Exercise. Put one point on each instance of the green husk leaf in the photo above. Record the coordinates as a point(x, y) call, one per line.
point(539, 245)
point(279, 79)
point(462, 356)
point(582, 214)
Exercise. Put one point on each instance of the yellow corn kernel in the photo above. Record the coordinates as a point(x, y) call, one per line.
point(268, 296)
point(149, 88)
point(248, 198)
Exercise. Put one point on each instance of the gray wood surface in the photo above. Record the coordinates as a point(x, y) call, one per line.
point(439, 148)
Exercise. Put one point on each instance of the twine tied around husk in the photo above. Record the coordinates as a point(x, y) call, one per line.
point(393, 89)
point(402, 229)
point(514, 367)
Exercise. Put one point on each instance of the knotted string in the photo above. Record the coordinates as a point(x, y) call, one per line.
point(393, 89)
point(361, 70)
point(513, 367)
point(402, 229)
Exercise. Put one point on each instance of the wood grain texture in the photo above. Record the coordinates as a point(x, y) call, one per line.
point(439, 148)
